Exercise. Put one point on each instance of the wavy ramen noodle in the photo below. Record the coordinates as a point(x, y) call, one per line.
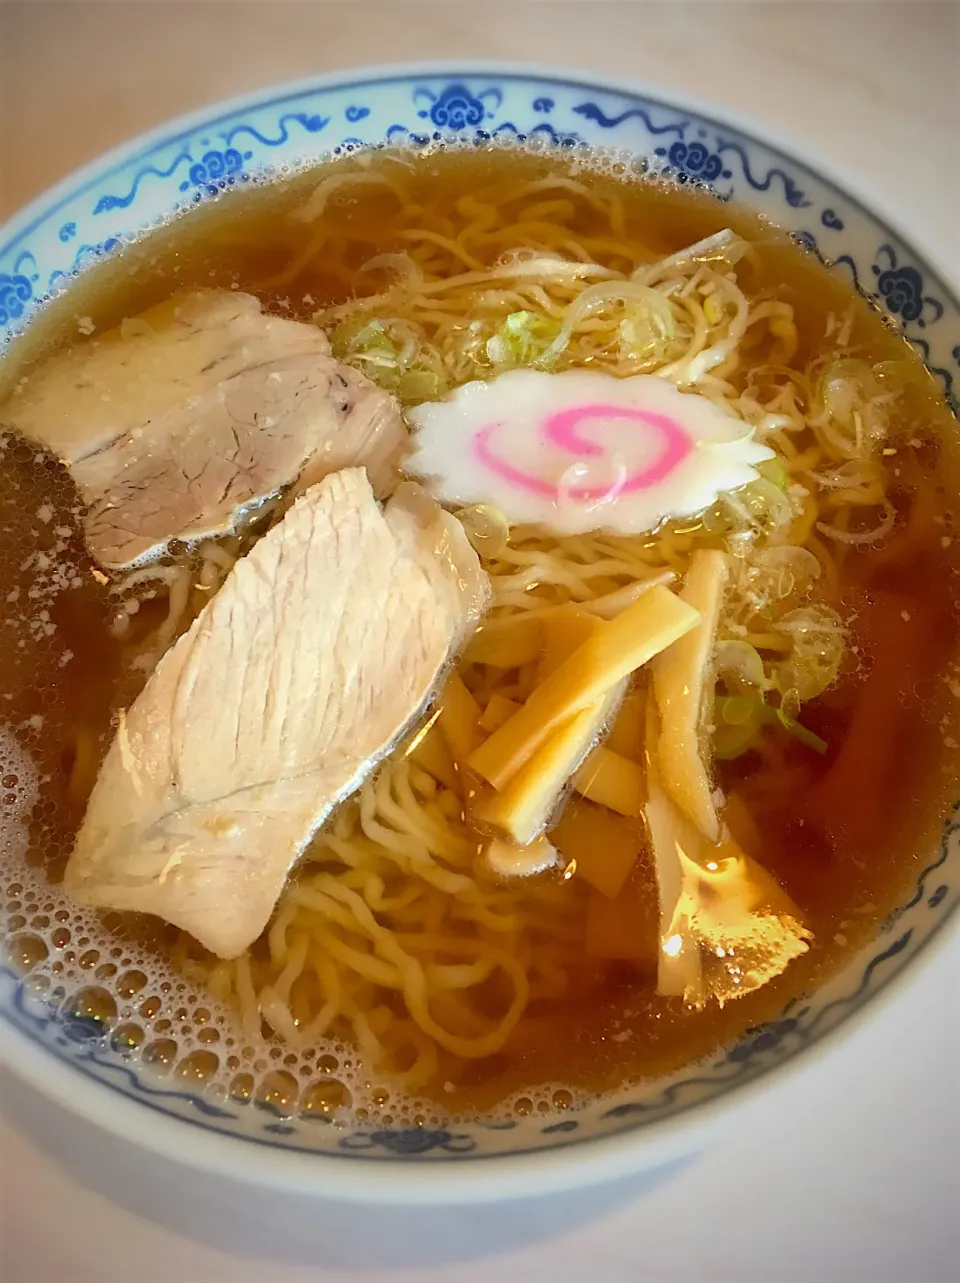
point(393, 936)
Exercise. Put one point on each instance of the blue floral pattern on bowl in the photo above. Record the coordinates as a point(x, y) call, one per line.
point(134, 189)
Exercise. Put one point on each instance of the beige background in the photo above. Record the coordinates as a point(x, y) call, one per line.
point(847, 1173)
point(874, 85)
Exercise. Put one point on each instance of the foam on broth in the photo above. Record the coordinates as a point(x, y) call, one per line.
point(62, 668)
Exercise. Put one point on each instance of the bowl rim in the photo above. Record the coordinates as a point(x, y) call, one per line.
point(429, 1181)
point(563, 1166)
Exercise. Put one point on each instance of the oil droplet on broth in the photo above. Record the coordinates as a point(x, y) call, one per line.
point(160, 1054)
point(198, 1067)
point(278, 1092)
point(91, 1004)
point(216, 1093)
point(323, 1097)
point(26, 951)
point(241, 1088)
point(127, 1038)
point(324, 1066)
point(129, 983)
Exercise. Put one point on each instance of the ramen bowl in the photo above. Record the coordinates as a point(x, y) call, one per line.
point(195, 159)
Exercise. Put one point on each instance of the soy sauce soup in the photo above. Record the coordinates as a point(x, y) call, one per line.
point(844, 831)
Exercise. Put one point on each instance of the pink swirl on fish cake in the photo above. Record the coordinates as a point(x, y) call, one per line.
point(560, 430)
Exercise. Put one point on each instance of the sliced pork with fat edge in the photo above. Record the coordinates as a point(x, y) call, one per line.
point(322, 646)
point(181, 419)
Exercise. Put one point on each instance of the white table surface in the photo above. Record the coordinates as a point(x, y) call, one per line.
point(851, 1170)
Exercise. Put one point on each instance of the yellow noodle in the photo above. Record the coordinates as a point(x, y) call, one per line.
point(247, 997)
point(390, 932)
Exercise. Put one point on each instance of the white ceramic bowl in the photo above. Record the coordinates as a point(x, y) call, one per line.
point(127, 191)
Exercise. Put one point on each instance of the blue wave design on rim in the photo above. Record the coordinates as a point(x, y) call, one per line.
point(407, 1142)
point(142, 1084)
point(844, 260)
point(312, 125)
point(567, 1125)
point(764, 1039)
point(84, 251)
point(402, 131)
point(107, 202)
point(898, 946)
point(21, 262)
point(946, 378)
point(783, 1027)
point(792, 193)
point(139, 1082)
point(668, 1096)
point(592, 111)
point(558, 135)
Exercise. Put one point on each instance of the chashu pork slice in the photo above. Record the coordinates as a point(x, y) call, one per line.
point(183, 417)
point(316, 654)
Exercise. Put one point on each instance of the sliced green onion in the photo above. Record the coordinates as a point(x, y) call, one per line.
point(741, 710)
point(773, 470)
point(801, 733)
point(712, 309)
point(522, 339)
point(486, 527)
point(419, 385)
point(740, 719)
point(517, 323)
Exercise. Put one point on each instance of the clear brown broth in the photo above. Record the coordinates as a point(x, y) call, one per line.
point(846, 847)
